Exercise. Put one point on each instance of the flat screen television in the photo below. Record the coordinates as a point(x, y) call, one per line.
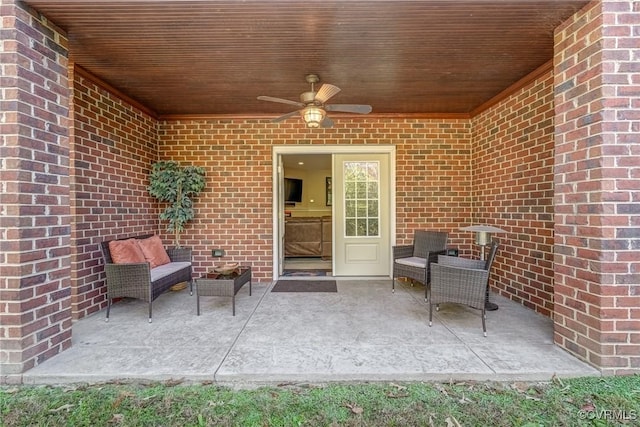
point(292, 190)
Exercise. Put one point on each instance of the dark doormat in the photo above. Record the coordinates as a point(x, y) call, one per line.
point(305, 286)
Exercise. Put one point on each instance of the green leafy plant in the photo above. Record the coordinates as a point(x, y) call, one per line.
point(171, 183)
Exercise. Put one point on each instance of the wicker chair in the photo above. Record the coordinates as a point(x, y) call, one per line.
point(461, 281)
point(412, 261)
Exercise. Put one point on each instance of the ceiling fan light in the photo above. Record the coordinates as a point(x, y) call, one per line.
point(313, 116)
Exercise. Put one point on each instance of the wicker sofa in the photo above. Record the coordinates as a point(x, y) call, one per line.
point(139, 280)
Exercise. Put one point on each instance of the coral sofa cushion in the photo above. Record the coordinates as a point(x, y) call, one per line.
point(126, 251)
point(154, 251)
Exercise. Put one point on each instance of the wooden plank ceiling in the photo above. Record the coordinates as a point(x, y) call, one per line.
point(400, 57)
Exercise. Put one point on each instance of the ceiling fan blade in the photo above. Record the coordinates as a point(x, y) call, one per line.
point(326, 123)
point(326, 92)
point(285, 116)
point(280, 100)
point(349, 108)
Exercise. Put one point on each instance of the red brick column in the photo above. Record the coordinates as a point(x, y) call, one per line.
point(35, 315)
point(597, 197)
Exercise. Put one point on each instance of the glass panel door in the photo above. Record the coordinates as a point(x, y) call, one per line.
point(361, 187)
point(362, 199)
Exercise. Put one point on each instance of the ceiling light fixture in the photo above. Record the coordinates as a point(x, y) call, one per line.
point(313, 116)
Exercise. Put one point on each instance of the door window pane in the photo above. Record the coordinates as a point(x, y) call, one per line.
point(362, 198)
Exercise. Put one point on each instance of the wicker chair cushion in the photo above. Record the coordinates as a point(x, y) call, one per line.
point(154, 251)
point(167, 269)
point(413, 261)
point(126, 251)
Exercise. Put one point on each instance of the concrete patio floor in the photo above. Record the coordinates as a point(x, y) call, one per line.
point(361, 333)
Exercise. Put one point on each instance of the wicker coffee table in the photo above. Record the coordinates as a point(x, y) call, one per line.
point(214, 284)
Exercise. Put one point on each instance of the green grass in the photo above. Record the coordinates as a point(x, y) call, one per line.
point(607, 401)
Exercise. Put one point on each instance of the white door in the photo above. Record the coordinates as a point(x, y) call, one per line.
point(280, 204)
point(361, 197)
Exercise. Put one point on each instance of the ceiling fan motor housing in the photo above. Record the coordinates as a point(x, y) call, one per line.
point(308, 97)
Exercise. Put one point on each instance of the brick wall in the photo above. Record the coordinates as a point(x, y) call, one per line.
point(113, 147)
point(597, 233)
point(434, 180)
point(234, 212)
point(35, 316)
point(513, 189)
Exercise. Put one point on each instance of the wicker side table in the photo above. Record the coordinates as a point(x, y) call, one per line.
point(218, 285)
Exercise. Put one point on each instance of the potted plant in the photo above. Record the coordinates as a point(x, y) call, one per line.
point(169, 182)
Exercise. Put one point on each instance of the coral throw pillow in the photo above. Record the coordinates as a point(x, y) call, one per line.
point(154, 251)
point(126, 251)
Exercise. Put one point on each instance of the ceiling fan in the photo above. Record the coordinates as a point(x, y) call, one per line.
point(312, 105)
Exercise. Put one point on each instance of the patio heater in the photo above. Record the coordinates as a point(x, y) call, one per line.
point(483, 238)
